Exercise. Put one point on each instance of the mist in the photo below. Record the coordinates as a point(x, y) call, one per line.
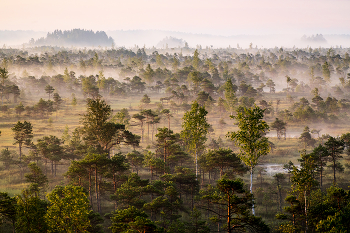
point(152, 38)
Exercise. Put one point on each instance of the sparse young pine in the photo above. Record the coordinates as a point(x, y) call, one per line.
point(23, 135)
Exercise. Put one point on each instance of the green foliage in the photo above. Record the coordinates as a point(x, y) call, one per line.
point(169, 148)
point(89, 86)
point(306, 138)
point(122, 117)
point(57, 100)
point(166, 206)
point(195, 128)
point(7, 208)
point(196, 59)
point(145, 99)
point(130, 193)
point(7, 157)
point(19, 108)
point(167, 186)
point(335, 147)
point(137, 85)
point(303, 178)
point(230, 96)
point(98, 129)
point(232, 202)
point(224, 160)
point(49, 90)
point(326, 72)
point(30, 213)
point(280, 128)
point(196, 223)
point(68, 210)
point(36, 176)
point(135, 159)
point(251, 137)
point(326, 212)
point(3, 75)
point(131, 220)
point(23, 134)
point(50, 148)
point(149, 74)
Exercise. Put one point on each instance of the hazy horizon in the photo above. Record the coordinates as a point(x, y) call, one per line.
point(223, 23)
point(223, 17)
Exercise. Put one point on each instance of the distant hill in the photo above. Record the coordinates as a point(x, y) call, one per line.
point(171, 42)
point(315, 40)
point(75, 37)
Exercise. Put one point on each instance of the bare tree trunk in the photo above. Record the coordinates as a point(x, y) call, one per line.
point(96, 191)
point(52, 172)
point(55, 168)
point(305, 212)
point(196, 164)
point(20, 151)
point(228, 215)
point(251, 188)
point(90, 184)
point(334, 179)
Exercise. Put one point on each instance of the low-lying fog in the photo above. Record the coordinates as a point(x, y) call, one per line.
point(150, 38)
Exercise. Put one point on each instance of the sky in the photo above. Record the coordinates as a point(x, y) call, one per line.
point(217, 17)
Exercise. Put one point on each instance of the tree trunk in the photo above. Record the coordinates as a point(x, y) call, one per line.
point(228, 215)
point(147, 130)
point(152, 131)
point(20, 151)
point(202, 177)
point(96, 191)
point(115, 189)
point(192, 199)
point(334, 179)
point(52, 170)
point(141, 132)
point(305, 212)
point(196, 163)
point(164, 155)
point(251, 188)
point(45, 166)
point(321, 175)
point(279, 196)
point(90, 184)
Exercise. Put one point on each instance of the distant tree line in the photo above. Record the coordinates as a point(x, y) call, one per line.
point(75, 37)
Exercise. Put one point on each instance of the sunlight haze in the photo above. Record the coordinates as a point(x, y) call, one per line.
point(221, 17)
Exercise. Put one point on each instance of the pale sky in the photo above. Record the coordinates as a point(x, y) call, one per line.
point(219, 17)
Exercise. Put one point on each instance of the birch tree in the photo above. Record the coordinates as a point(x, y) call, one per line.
point(250, 138)
point(195, 128)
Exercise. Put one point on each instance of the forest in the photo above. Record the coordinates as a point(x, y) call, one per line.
point(74, 37)
point(176, 139)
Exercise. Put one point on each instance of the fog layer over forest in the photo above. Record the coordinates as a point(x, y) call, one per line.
point(120, 137)
point(150, 38)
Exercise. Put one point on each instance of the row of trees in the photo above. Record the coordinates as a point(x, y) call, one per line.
point(172, 187)
point(177, 188)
